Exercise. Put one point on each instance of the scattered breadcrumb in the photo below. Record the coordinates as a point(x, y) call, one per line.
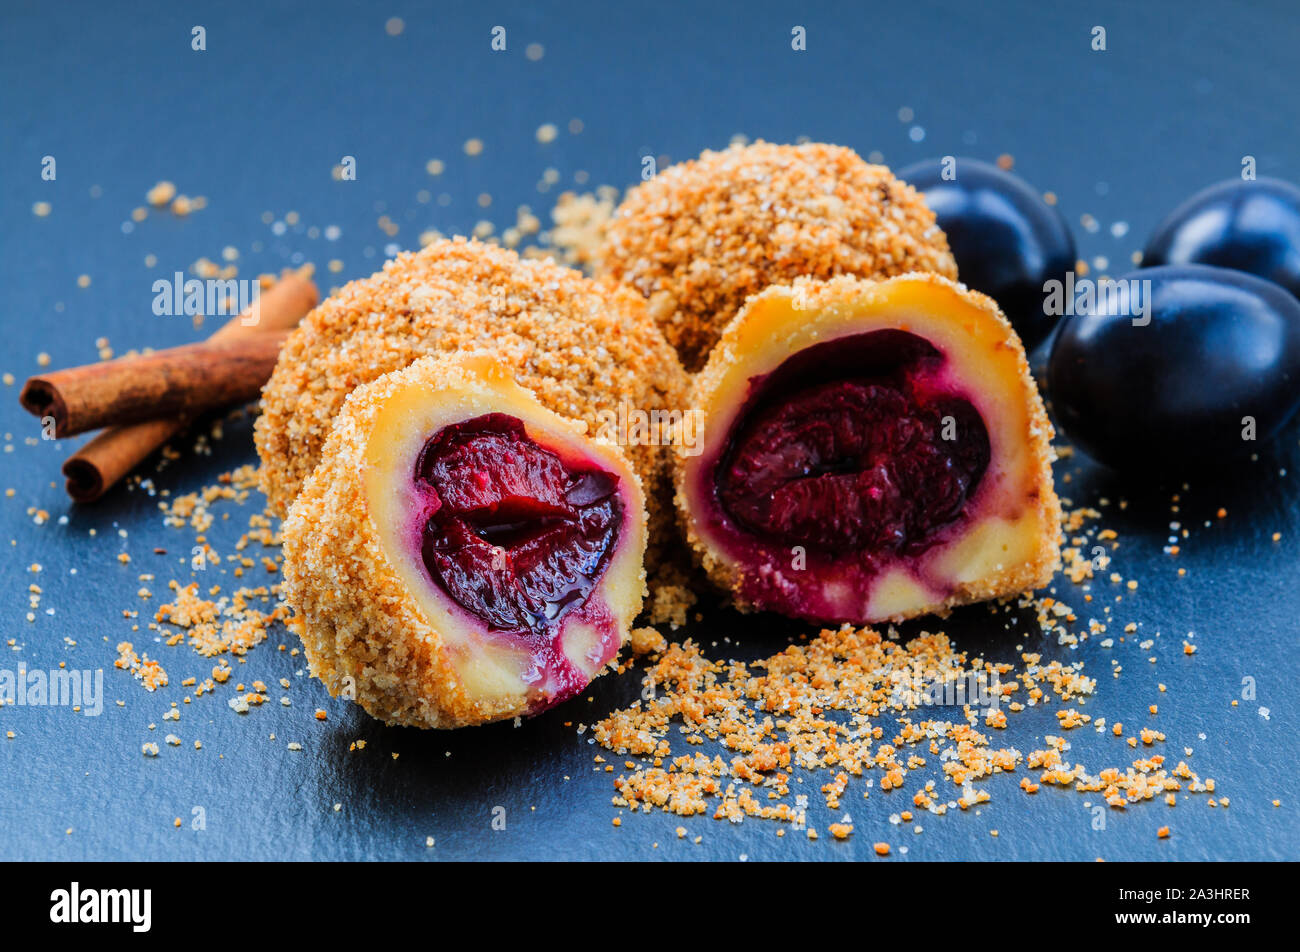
point(646, 640)
point(161, 194)
point(771, 722)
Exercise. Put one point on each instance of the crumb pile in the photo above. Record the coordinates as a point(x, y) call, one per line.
point(867, 709)
point(217, 624)
point(701, 236)
point(580, 223)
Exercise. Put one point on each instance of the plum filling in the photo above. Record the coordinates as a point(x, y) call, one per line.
point(854, 446)
point(514, 536)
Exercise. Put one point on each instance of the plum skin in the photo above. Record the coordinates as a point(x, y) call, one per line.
point(1007, 241)
point(1221, 345)
point(1251, 226)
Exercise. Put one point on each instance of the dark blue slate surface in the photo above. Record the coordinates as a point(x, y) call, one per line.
point(256, 124)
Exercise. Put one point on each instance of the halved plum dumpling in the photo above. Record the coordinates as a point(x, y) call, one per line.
point(871, 451)
point(462, 554)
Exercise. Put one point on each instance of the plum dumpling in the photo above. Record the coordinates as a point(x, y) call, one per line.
point(873, 450)
point(463, 554)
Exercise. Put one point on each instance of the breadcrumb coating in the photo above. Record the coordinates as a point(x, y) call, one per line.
point(583, 347)
point(368, 634)
point(702, 236)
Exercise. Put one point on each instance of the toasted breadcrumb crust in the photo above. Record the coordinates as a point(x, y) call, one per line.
point(702, 236)
point(363, 630)
point(582, 347)
point(810, 296)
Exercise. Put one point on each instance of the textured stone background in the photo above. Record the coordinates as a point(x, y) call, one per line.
point(256, 122)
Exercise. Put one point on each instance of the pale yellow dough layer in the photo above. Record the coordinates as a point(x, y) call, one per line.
point(1012, 544)
point(374, 626)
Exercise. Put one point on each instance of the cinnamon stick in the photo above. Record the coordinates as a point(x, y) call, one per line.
point(93, 469)
point(98, 465)
point(178, 381)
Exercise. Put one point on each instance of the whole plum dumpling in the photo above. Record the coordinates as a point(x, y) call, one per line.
point(872, 451)
point(463, 554)
point(700, 237)
point(583, 348)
